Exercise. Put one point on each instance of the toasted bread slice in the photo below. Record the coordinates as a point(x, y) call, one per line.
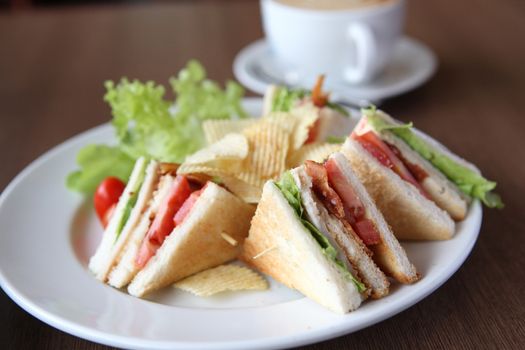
point(389, 255)
point(197, 244)
point(410, 214)
point(269, 96)
point(280, 246)
point(126, 268)
point(354, 250)
point(113, 242)
point(443, 192)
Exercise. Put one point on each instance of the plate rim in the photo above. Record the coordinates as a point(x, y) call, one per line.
point(306, 337)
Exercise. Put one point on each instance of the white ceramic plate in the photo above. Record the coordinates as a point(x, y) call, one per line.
point(412, 64)
point(48, 233)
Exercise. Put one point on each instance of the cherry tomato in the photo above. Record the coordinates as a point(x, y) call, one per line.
point(106, 198)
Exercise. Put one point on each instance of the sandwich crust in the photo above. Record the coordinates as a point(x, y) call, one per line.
point(411, 215)
point(197, 244)
point(353, 249)
point(111, 246)
point(280, 246)
point(443, 192)
point(269, 95)
point(126, 269)
point(389, 255)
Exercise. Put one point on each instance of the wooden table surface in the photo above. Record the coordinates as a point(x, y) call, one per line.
point(53, 62)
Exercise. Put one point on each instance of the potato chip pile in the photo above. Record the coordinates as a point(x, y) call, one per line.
point(244, 154)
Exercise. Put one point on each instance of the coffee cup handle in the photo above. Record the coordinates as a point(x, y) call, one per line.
point(365, 53)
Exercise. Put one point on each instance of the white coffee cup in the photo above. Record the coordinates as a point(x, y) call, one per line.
point(352, 44)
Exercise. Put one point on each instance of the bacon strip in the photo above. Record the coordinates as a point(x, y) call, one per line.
point(323, 190)
point(415, 169)
point(338, 196)
point(355, 211)
point(319, 98)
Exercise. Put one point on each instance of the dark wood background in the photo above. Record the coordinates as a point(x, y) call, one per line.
point(53, 62)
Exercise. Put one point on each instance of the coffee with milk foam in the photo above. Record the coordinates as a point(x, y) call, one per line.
point(333, 4)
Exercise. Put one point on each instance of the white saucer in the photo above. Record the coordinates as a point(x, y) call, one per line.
point(412, 64)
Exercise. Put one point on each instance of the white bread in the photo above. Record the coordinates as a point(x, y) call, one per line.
point(354, 252)
point(410, 214)
point(433, 143)
point(279, 245)
point(269, 96)
point(333, 123)
point(443, 192)
point(111, 245)
point(126, 268)
point(389, 255)
point(197, 244)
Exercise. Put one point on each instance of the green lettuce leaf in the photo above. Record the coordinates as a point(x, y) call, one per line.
point(146, 124)
point(285, 99)
point(199, 99)
point(291, 192)
point(98, 162)
point(335, 139)
point(132, 200)
point(468, 181)
point(338, 108)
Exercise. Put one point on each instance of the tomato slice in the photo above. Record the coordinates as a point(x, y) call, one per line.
point(354, 209)
point(106, 198)
point(379, 150)
point(186, 207)
point(163, 224)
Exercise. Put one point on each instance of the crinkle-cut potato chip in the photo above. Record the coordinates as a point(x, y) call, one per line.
point(219, 168)
point(248, 193)
point(230, 147)
point(214, 129)
point(297, 122)
point(199, 169)
point(285, 120)
point(269, 144)
point(314, 151)
point(222, 278)
point(261, 150)
point(306, 115)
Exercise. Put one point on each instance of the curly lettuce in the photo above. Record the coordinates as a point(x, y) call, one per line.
point(146, 125)
point(285, 99)
point(97, 162)
point(466, 179)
